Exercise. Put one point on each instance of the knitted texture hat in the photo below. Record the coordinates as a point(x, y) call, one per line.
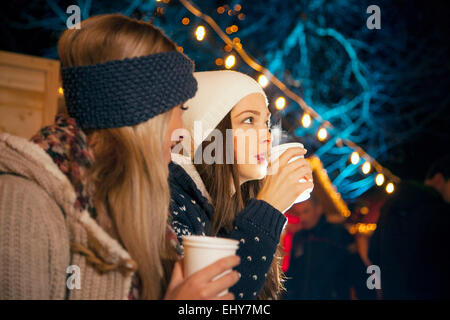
point(218, 92)
point(127, 92)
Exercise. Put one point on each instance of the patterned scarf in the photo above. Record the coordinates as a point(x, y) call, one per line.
point(68, 147)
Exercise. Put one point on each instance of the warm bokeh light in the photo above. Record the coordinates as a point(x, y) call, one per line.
point(228, 48)
point(237, 7)
point(234, 28)
point(366, 167)
point(200, 33)
point(230, 61)
point(379, 179)
point(60, 91)
point(280, 103)
point(364, 210)
point(354, 158)
point(185, 21)
point(220, 10)
point(263, 81)
point(219, 61)
point(362, 228)
point(322, 134)
point(390, 187)
point(306, 120)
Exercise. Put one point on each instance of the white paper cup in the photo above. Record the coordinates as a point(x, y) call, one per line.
point(276, 152)
point(201, 251)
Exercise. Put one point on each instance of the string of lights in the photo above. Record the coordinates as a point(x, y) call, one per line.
point(383, 177)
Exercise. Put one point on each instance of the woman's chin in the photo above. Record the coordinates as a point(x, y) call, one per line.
point(255, 172)
point(262, 171)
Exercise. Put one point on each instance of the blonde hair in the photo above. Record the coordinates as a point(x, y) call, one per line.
point(129, 175)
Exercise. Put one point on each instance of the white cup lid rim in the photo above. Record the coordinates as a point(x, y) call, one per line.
point(213, 241)
point(288, 145)
point(278, 150)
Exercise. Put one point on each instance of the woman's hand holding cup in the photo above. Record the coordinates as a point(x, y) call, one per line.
point(207, 267)
point(289, 177)
point(202, 284)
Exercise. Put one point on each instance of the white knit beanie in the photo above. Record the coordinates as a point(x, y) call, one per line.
point(218, 92)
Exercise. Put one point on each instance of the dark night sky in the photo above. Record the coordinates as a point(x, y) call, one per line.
point(427, 20)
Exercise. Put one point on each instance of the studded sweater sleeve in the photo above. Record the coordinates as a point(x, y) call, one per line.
point(257, 227)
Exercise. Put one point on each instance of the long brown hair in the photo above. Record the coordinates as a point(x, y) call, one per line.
point(129, 175)
point(223, 179)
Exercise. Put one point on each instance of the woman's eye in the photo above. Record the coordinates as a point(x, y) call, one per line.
point(248, 120)
point(184, 108)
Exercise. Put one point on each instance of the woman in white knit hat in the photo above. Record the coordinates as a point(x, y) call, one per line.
point(228, 119)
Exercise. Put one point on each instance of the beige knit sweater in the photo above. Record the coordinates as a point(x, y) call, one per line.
point(38, 224)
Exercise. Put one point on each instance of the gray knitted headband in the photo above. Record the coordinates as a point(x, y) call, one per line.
point(127, 92)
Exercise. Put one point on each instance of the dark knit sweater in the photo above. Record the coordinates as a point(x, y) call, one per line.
point(258, 228)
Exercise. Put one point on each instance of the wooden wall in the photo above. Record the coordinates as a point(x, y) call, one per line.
point(28, 93)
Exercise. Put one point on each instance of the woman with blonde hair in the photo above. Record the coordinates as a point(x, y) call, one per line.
point(224, 189)
point(84, 205)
